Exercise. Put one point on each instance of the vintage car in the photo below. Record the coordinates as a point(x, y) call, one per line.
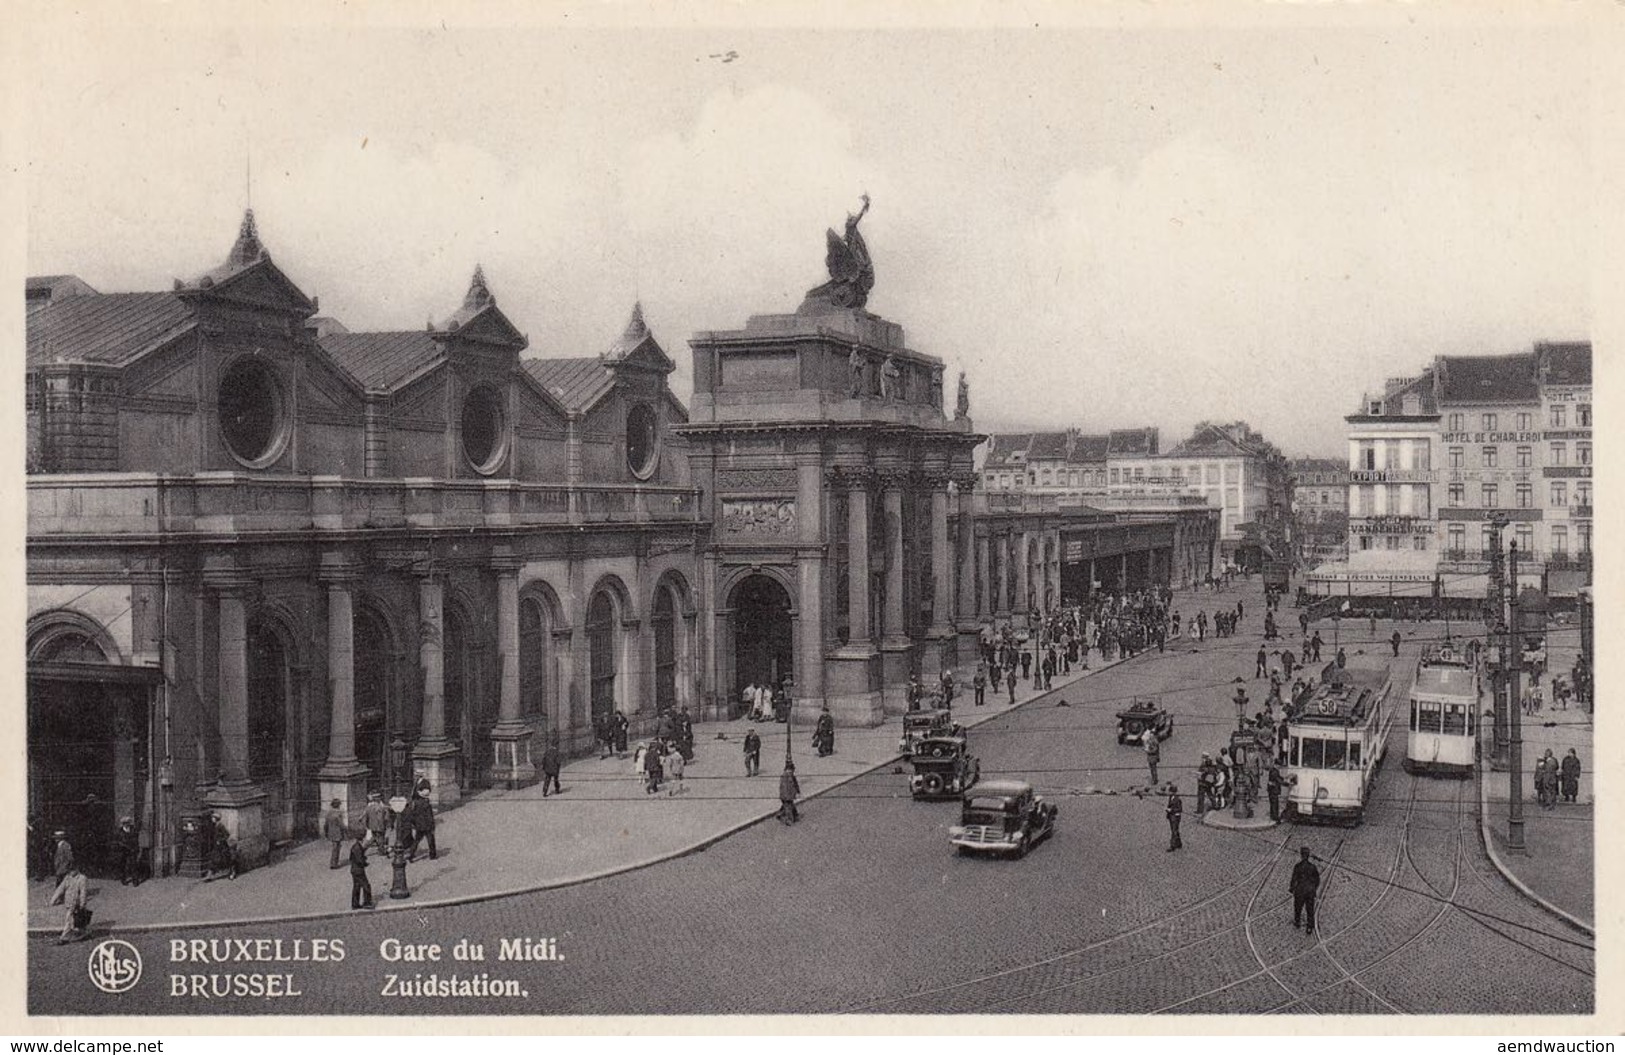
point(917, 725)
point(1143, 716)
point(1002, 816)
point(943, 767)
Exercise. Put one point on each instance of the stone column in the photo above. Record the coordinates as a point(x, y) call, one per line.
point(857, 563)
point(809, 644)
point(941, 565)
point(983, 577)
point(1023, 568)
point(1001, 602)
point(968, 560)
point(235, 797)
point(343, 776)
point(894, 633)
point(512, 760)
point(434, 755)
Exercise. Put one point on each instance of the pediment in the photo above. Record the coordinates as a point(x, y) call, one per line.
point(489, 326)
point(261, 284)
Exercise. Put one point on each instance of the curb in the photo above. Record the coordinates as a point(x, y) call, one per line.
point(1506, 873)
point(557, 884)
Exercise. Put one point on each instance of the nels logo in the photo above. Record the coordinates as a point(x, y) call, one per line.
point(115, 966)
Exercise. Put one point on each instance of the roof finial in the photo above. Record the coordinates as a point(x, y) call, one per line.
point(636, 329)
point(479, 294)
point(247, 248)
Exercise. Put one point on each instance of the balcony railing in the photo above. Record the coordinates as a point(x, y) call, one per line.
point(209, 503)
point(1569, 561)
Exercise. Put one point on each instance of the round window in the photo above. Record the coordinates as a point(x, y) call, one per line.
point(642, 441)
point(483, 430)
point(251, 412)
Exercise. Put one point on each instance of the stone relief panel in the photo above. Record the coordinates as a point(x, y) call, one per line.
point(773, 518)
point(762, 479)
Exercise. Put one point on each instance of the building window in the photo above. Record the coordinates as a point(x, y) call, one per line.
point(1525, 496)
point(1559, 454)
point(1491, 495)
point(1390, 455)
point(1560, 493)
point(1582, 492)
point(1523, 421)
point(1365, 541)
point(1368, 501)
point(1419, 542)
point(1582, 533)
point(1212, 474)
point(1139, 473)
point(1325, 497)
point(1046, 477)
point(1393, 541)
point(1367, 458)
point(1004, 482)
point(1582, 454)
point(252, 422)
point(1391, 499)
point(1419, 502)
point(1115, 474)
point(1455, 423)
point(1456, 535)
point(1524, 535)
point(484, 432)
point(1422, 455)
point(992, 481)
point(1455, 457)
point(1559, 416)
point(1458, 494)
point(1560, 540)
point(1491, 422)
point(1525, 456)
point(1582, 415)
point(1489, 456)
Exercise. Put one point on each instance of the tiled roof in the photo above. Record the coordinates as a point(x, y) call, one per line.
point(1004, 447)
point(46, 283)
point(1046, 445)
point(1089, 450)
point(109, 328)
point(1567, 363)
point(1487, 379)
point(577, 383)
point(1133, 441)
point(382, 360)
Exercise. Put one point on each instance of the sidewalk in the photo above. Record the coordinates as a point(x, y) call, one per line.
point(1556, 867)
point(507, 842)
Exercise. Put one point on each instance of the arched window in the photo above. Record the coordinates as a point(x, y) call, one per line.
point(67, 646)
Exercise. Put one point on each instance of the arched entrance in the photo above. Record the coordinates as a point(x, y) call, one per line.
point(601, 642)
point(536, 691)
point(664, 621)
point(455, 686)
point(88, 737)
point(374, 683)
point(761, 632)
point(271, 762)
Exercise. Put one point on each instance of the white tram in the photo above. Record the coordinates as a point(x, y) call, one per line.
point(1444, 715)
point(1336, 734)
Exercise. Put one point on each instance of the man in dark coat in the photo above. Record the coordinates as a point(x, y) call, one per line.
point(1026, 664)
point(420, 821)
point(1174, 811)
point(979, 682)
point(333, 830)
point(127, 843)
point(360, 888)
point(685, 735)
point(1010, 682)
point(753, 753)
point(825, 733)
point(620, 728)
point(1314, 647)
point(1273, 787)
point(1571, 776)
point(789, 789)
point(1394, 641)
point(551, 764)
point(1305, 884)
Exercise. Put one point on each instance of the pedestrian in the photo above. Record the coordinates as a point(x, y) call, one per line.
point(1273, 789)
point(61, 856)
point(1205, 782)
point(1026, 664)
point(73, 894)
point(1260, 664)
point(653, 771)
point(128, 844)
point(333, 830)
point(1305, 884)
point(1010, 683)
point(552, 764)
point(824, 733)
point(789, 788)
point(1394, 641)
point(360, 888)
point(753, 753)
point(1342, 659)
point(376, 820)
point(1314, 647)
point(1153, 753)
point(420, 815)
point(604, 733)
point(979, 683)
point(1571, 776)
point(621, 727)
point(1174, 811)
point(676, 764)
point(222, 852)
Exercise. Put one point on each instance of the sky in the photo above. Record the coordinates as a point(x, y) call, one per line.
point(1104, 227)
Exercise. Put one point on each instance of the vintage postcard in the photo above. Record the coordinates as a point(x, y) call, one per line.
point(624, 514)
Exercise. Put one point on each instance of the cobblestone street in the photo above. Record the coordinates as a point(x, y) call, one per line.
point(864, 908)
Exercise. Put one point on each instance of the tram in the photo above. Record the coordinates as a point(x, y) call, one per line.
point(1337, 732)
point(1443, 736)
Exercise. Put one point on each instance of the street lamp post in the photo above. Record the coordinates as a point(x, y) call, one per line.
point(398, 890)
